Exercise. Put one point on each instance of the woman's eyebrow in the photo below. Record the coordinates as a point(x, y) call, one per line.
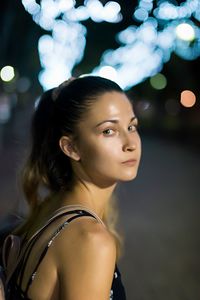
point(114, 121)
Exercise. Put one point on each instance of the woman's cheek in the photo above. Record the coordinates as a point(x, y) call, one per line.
point(114, 145)
point(111, 149)
point(101, 146)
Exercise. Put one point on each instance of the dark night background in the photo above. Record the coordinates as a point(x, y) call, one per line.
point(159, 210)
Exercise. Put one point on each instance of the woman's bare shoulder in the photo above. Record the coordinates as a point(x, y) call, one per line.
point(86, 256)
point(84, 231)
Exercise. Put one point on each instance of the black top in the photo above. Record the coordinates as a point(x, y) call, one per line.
point(117, 291)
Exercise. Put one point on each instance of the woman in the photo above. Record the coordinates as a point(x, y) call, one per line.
point(85, 141)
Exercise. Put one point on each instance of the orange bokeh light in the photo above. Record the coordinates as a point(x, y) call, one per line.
point(188, 98)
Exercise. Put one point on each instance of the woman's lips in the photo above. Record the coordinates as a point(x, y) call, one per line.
point(130, 162)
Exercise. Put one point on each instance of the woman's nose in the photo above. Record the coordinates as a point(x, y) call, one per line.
point(129, 142)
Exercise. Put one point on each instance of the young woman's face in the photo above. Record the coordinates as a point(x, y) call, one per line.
point(108, 142)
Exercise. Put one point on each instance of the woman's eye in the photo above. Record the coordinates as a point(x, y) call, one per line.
point(108, 131)
point(132, 127)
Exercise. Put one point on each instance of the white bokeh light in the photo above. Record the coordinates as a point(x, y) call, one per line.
point(7, 73)
point(107, 72)
point(185, 32)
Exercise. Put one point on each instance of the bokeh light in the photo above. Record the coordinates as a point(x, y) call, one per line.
point(185, 32)
point(141, 14)
point(108, 72)
point(158, 81)
point(7, 73)
point(188, 98)
point(23, 84)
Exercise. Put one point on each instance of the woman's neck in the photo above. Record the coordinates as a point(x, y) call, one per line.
point(88, 195)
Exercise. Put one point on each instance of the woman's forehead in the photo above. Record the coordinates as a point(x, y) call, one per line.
point(111, 104)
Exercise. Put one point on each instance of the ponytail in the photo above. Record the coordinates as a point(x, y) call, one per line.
point(46, 165)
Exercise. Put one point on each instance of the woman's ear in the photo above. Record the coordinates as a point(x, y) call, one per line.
point(68, 148)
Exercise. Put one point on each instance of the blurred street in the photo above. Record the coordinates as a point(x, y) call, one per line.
point(160, 218)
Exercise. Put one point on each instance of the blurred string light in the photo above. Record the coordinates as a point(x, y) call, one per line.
point(161, 31)
point(167, 10)
point(7, 73)
point(108, 72)
point(60, 51)
point(64, 46)
point(142, 11)
point(163, 28)
point(188, 98)
point(185, 32)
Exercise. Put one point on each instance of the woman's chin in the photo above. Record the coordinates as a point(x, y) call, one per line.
point(128, 177)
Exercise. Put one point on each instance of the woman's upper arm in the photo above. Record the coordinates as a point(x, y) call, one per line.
point(86, 267)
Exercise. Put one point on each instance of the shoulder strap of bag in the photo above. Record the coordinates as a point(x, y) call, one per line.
point(77, 206)
point(14, 248)
point(61, 211)
point(79, 213)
